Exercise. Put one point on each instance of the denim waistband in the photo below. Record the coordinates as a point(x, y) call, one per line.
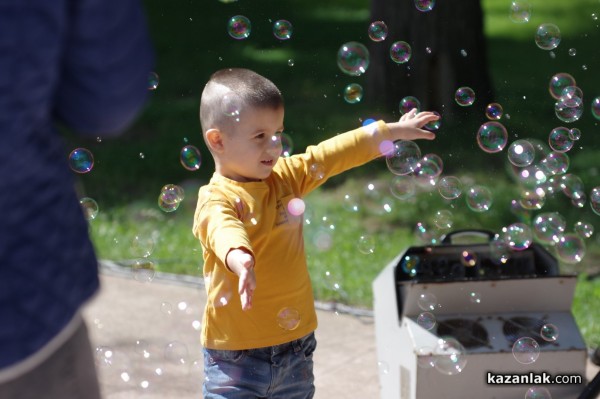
point(295, 345)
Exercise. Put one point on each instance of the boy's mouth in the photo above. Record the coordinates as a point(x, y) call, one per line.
point(267, 163)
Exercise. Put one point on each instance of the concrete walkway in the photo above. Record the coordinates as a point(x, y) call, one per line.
point(147, 343)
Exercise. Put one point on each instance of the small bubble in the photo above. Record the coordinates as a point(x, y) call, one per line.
point(142, 156)
point(572, 52)
point(463, 52)
point(290, 62)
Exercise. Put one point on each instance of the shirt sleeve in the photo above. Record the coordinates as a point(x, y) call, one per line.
point(106, 60)
point(345, 151)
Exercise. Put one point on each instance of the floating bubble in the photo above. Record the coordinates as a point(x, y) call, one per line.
point(404, 157)
point(190, 157)
point(316, 171)
point(475, 297)
point(290, 62)
point(549, 332)
point(526, 350)
point(410, 264)
point(424, 5)
point(549, 227)
point(427, 301)
point(141, 246)
point(492, 137)
point(239, 27)
point(81, 160)
point(571, 96)
point(574, 134)
point(152, 81)
point(288, 318)
point(519, 11)
point(166, 308)
point(538, 393)
point(170, 197)
point(479, 198)
point(434, 125)
point(143, 270)
point(547, 36)
point(559, 82)
point(450, 356)
point(89, 207)
point(408, 103)
point(584, 229)
point(287, 144)
point(400, 52)
point(571, 186)
point(595, 200)
point(596, 108)
point(568, 114)
point(499, 249)
point(570, 248)
point(426, 320)
point(425, 358)
point(532, 199)
point(518, 236)
point(428, 169)
point(468, 258)
point(353, 93)
point(176, 353)
point(556, 163)
point(353, 58)
point(350, 204)
point(521, 153)
point(464, 96)
point(282, 29)
point(231, 104)
point(296, 206)
point(402, 187)
point(450, 187)
point(494, 111)
point(366, 244)
point(378, 31)
point(104, 356)
point(443, 219)
point(425, 234)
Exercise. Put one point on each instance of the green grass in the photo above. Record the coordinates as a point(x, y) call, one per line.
point(191, 43)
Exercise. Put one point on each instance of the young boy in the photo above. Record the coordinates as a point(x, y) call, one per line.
point(259, 344)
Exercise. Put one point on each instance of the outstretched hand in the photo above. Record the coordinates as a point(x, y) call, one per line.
point(409, 127)
point(242, 263)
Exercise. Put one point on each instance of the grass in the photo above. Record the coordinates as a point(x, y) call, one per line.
point(191, 43)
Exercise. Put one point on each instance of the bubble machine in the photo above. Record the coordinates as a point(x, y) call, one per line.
point(510, 314)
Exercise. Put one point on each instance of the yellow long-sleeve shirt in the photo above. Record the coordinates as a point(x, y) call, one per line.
point(255, 216)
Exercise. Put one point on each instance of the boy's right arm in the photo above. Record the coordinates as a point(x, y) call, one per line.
point(241, 262)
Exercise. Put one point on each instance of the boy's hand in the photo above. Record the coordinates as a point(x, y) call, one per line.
point(410, 124)
point(242, 263)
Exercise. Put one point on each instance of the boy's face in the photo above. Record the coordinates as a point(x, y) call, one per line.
point(253, 146)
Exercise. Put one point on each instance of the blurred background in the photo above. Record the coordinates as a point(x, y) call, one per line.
point(485, 66)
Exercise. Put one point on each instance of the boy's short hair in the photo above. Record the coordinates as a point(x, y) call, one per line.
point(244, 87)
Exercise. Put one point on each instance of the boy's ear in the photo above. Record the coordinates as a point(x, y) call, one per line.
point(214, 139)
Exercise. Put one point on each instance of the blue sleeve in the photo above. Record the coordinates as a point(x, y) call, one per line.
point(105, 66)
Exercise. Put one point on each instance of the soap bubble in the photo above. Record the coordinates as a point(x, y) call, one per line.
point(519, 11)
point(296, 206)
point(479, 198)
point(518, 236)
point(494, 111)
point(366, 244)
point(475, 297)
point(574, 134)
point(143, 270)
point(547, 36)
point(81, 160)
point(433, 125)
point(532, 199)
point(443, 219)
point(468, 258)
point(404, 157)
point(190, 157)
point(176, 353)
point(538, 393)
point(492, 137)
point(450, 187)
point(287, 144)
point(378, 31)
point(402, 187)
point(400, 52)
point(555, 163)
point(316, 171)
point(282, 29)
point(568, 114)
point(521, 153)
point(499, 249)
point(410, 264)
point(141, 245)
point(464, 96)
point(549, 332)
point(559, 82)
point(425, 234)
point(548, 227)
point(353, 58)
point(571, 96)
point(424, 5)
point(288, 318)
point(170, 197)
point(427, 301)
point(450, 356)
point(152, 81)
point(596, 108)
point(526, 350)
point(239, 27)
point(425, 357)
point(426, 320)
point(570, 248)
point(231, 105)
point(559, 139)
point(428, 169)
point(89, 207)
point(353, 93)
point(408, 103)
point(572, 186)
point(595, 200)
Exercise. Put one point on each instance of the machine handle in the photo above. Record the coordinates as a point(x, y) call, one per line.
point(447, 238)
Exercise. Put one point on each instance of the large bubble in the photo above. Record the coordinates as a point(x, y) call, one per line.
point(408, 103)
point(596, 108)
point(526, 350)
point(239, 27)
point(353, 58)
point(595, 200)
point(81, 160)
point(424, 5)
point(404, 157)
point(492, 137)
point(479, 198)
point(450, 356)
point(570, 248)
point(521, 153)
point(547, 36)
point(559, 82)
point(494, 111)
point(378, 31)
point(560, 140)
point(464, 96)
point(190, 157)
point(568, 114)
point(519, 11)
point(403, 187)
point(400, 52)
point(450, 187)
point(518, 236)
point(353, 93)
point(282, 29)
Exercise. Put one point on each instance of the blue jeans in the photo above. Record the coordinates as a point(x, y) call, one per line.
point(276, 372)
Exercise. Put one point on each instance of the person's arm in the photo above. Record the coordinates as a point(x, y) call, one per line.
point(241, 262)
point(107, 57)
